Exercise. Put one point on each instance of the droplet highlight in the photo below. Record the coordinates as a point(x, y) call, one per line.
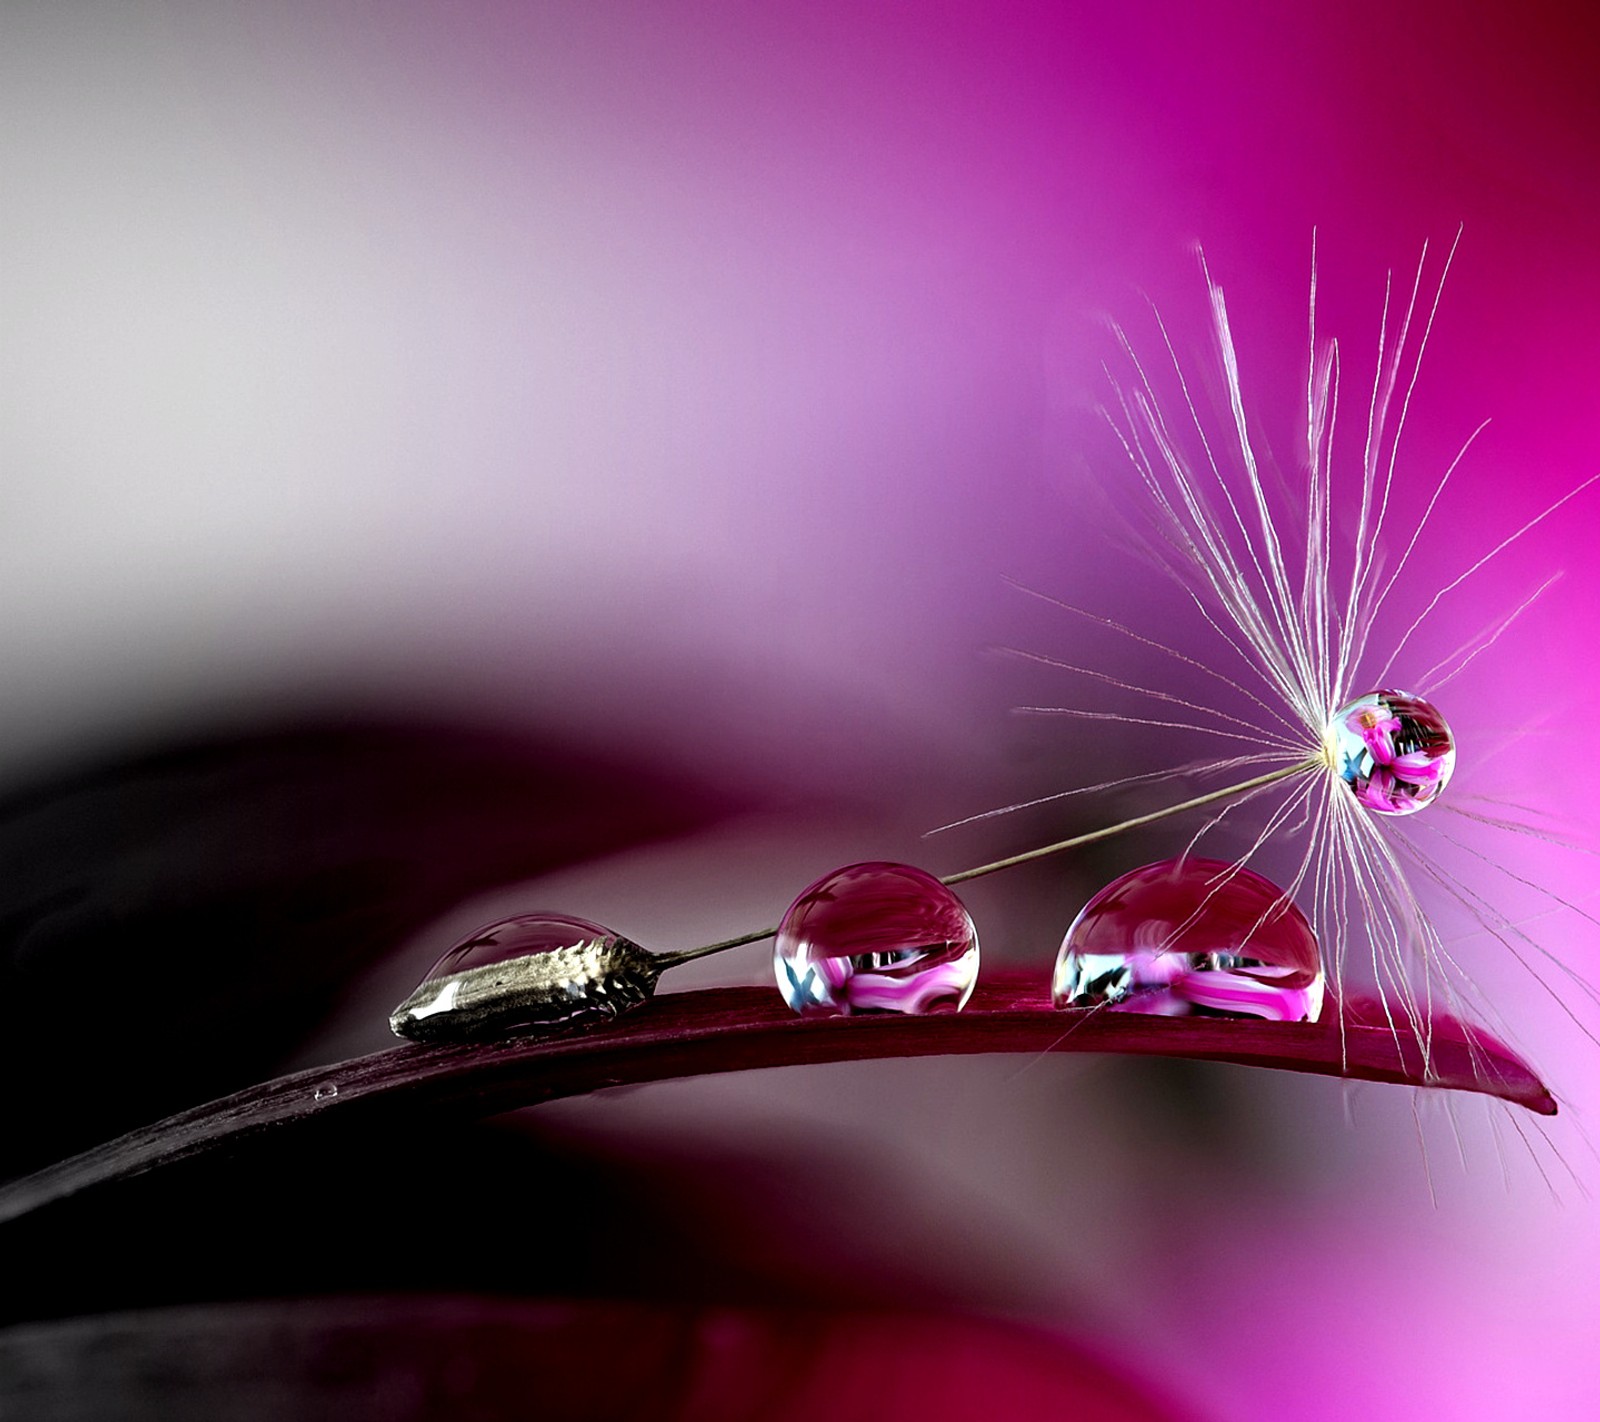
point(1186, 937)
point(531, 970)
point(876, 937)
point(1394, 750)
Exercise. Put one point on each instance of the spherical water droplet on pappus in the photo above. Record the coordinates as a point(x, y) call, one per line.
point(1394, 750)
point(325, 1093)
point(876, 938)
point(1192, 937)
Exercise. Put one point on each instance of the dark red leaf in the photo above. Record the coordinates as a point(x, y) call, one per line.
point(736, 1029)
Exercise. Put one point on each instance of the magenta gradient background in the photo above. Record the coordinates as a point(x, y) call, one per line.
point(692, 377)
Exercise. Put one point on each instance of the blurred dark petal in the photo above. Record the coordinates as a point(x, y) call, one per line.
point(172, 923)
point(496, 1264)
point(481, 1209)
point(462, 1358)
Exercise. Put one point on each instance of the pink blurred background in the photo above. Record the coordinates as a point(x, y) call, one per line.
point(691, 379)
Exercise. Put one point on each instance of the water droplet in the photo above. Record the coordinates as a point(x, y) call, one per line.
point(876, 938)
point(1394, 750)
point(536, 969)
point(1192, 936)
point(325, 1093)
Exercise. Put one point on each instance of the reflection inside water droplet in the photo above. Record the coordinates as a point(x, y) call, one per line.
point(1394, 750)
point(1192, 936)
point(876, 938)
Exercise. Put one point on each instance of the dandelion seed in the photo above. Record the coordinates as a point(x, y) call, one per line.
point(1295, 622)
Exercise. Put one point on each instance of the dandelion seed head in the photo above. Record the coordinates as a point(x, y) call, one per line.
point(1309, 586)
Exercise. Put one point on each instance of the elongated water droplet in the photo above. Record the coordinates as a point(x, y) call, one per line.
point(536, 969)
point(1192, 936)
point(1394, 750)
point(876, 938)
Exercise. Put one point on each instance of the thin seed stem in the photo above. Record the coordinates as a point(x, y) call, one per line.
point(1316, 762)
point(1094, 836)
point(688, 955)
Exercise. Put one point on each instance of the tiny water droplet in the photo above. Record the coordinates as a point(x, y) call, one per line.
point(876, 938)
point(1192, 936)
point(325, 1093)
point(530, 970)
point(1394, 750)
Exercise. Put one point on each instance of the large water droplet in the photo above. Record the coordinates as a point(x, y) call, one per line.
point(876, 938)
point(1394, 750)
point(536, 969)
point(1192, 936)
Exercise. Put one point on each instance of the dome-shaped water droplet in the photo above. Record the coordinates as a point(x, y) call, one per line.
point(1394, 750)
point(1192, 936)
point(536, 969)
point(876, 938)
